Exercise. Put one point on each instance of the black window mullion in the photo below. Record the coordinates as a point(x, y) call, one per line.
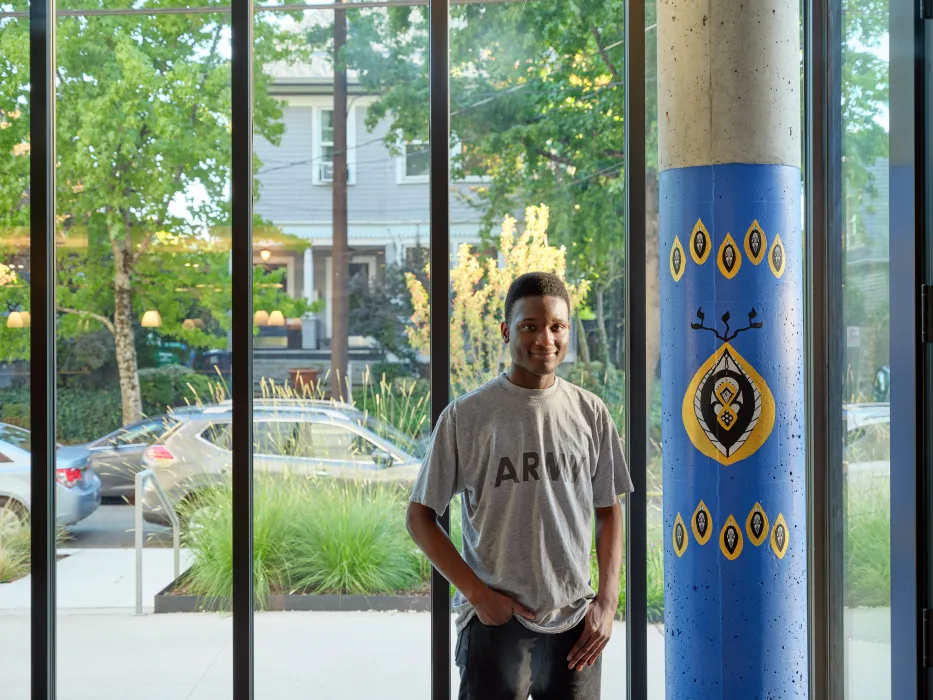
point(242, 283)
point(42, 342)
point(439, 71)
point(636, 417)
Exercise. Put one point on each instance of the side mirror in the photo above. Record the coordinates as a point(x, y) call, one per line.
point(383, 459)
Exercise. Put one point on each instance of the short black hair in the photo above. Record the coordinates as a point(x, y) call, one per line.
point(535, 284)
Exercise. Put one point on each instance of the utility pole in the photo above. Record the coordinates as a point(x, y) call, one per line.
point(340, 252)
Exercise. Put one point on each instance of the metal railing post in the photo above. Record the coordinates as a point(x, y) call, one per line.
point(142, 478)
point(138, 504)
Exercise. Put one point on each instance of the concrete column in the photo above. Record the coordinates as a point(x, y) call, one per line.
point(732, 349)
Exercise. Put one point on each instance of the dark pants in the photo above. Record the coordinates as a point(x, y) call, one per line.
point(511, 661)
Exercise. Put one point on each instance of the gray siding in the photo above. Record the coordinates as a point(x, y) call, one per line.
point(287, 192)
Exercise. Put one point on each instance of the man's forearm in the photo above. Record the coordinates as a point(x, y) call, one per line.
point(440, 551)
point(609, 552)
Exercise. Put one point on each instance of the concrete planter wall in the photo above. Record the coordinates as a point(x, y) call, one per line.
point(166, 602)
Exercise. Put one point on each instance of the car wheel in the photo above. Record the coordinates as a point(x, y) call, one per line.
point(14, 518)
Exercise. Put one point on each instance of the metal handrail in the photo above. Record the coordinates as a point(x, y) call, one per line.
point(147, 475)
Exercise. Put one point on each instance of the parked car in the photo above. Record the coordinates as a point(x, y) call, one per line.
point(309, 440)
point(117, 456)
point(416, 446)
point(867, 452)
point(77, 487)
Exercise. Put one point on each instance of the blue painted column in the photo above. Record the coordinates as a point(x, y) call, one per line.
point(732, 350)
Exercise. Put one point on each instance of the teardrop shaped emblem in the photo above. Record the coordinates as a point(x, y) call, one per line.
point(730, 260)
point(757, 525)
point(679, 536)
point(777, 258)
point(702, 524)
point(699, 243)
point(730, 539)
point(678, 260)
point(756, 244)
point(728, 410)
point(780, 537)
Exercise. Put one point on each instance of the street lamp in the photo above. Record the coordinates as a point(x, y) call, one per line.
point(265, 254)
point(152, 319)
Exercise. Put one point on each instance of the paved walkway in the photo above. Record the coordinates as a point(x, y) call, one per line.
point(105, 652)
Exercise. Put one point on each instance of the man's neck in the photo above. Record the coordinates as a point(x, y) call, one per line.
point(527, 380)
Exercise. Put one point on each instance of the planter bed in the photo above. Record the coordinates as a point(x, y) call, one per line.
point(174, 599)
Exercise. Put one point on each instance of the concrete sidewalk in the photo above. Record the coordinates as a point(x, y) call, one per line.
point(100, 578)
point(107, 653)
point(325, 656)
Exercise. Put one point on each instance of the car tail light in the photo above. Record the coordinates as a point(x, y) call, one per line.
point(68, 477)
point(159, 453)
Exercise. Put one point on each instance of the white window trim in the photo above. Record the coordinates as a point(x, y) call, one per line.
point(317, 147)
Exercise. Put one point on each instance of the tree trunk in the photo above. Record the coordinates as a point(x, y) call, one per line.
point(603, 353)
point(340, 251)
point(583, 347)
point(125, 336)
point(652, 287)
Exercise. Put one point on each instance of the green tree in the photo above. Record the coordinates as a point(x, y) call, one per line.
point(537, 106)
point(537, 110)
point(143, 121)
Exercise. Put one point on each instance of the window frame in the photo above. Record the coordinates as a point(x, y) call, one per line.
point(318, 144)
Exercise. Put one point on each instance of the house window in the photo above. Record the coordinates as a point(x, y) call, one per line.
point(324, 146)
point(415, 162)
point(327, 144)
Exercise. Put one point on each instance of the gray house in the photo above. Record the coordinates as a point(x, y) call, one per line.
point(388, 210)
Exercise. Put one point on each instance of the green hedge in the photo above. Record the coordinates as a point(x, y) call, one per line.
point(84, 415)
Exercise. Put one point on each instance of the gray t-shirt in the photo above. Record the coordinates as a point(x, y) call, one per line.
point(531, 465)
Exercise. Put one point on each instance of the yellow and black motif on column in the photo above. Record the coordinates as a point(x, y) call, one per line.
point(729, 259)
point(730, 539)
point(700, 243)
point(777, 258)
point(756, 244)
point(702, 524)
point(679, 536)
point(678, 260)
point(756, 525)
point(728, 410)
point(780, 537)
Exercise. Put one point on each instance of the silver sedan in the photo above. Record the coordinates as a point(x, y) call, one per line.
point(77, 487)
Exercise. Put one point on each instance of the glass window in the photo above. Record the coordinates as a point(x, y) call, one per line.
point(220, 435)
point(537, 168)
point(14, 342)
point(416, 161)
point(332, 442)
point(327, 144)
point(350, 341)
point(143, 434)
point(866, 324)
point(144, 288)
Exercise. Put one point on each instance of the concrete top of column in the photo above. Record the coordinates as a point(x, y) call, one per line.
point(728, 82)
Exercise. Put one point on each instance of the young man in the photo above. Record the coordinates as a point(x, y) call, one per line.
point(532, 456)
